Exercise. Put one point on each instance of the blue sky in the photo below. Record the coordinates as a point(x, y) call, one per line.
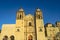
point(8, 9)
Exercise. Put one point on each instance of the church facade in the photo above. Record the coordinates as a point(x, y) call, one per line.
point(29, 27)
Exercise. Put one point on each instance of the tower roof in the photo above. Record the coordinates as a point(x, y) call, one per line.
point(38, 9)
point(21, 9)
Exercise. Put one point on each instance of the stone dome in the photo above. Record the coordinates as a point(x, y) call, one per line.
point(21, 9)
point(37, 9)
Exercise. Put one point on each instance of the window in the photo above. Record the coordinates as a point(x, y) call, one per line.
point(40, 29)
point(18, 30)
point(5, 38)
point(20, 16)
point(38, 16)
point(30, 24)
point(12, 37)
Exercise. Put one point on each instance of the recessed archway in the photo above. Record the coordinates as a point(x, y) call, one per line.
point(30, 37)
point(5, 38)
point(12, 37)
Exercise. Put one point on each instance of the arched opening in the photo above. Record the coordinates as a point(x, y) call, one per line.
point(30, 24)
point(20, 16)
point(30, 37)
point(5, 38)
point(38, 16)
point(40, 30)
point(18, 30)
point(12, 37)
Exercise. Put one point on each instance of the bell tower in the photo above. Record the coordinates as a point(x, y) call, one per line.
point(39, 25)
point(20, 14)
point(38, 14)
point(19, 29)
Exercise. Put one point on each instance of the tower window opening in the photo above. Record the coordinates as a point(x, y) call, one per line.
point(20, 16)
point(38, 16)
point(30, 24)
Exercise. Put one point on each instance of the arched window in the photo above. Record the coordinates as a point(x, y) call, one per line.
point(20, 16)
point(18, 30)
point(12, 37)
point(5, 38)
point(41, 30)
point(30, 24)
point(30, 37)
point(38, 16)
